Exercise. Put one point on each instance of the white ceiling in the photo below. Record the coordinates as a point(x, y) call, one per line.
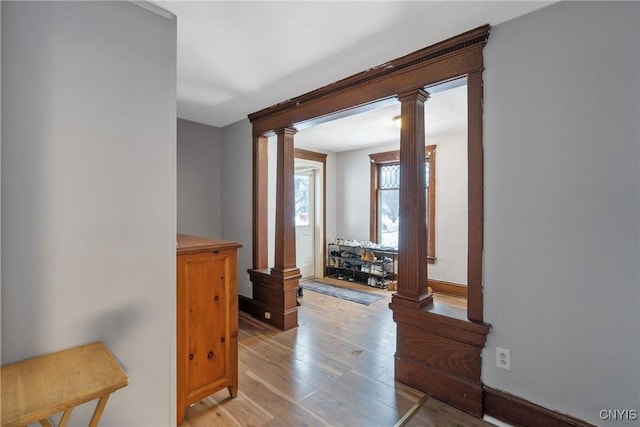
point(238, 57)
point(445, 113)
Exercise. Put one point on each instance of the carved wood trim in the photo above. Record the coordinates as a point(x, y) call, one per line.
point(373, 197)
point(472, 39)
point(320, 158)
point(453, 58)
point(394, 157)
point(385, 157)
point(432, 322)
point(299, 153)
point(475, 191)
point(448, 288)
point(430, 153)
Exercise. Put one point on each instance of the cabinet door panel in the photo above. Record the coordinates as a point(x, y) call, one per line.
point(206, 300)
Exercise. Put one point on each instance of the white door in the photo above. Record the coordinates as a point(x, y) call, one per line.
point(304, 186)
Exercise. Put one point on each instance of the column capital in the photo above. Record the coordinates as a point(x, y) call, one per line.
point(289, 130)
point(418, 94)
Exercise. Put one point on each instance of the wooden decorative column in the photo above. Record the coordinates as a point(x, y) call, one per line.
point(284, 264)
point(437, 350)
point(437, 354)
point(275, 290)
point(412, 243)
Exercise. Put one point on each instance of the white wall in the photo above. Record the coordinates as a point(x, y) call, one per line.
point(88, 193)
point(562, 207)
point(353, 201)
point(353, 176)
point(272, 177)
point(451, 208)
point(199, 179)
point(331, 219)
point(237, 190)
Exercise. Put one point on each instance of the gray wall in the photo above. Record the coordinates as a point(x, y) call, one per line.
point(237, 190)
point(0, 188)
point(199, 179)
point(562, 206)
point(88, 193)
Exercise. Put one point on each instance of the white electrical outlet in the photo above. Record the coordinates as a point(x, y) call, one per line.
point(267, 315)
point(503, 358)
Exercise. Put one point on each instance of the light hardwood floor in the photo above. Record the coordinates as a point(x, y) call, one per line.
point(335, 369)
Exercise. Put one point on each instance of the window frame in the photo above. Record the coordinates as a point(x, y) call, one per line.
point(393, 157)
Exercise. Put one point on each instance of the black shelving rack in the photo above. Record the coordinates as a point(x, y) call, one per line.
point(373, 266)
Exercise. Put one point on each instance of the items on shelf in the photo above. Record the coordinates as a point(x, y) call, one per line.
point(364, 262)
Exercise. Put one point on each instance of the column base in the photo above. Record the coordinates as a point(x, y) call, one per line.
point(440, 355)
point(275, 297)
point(416, 303)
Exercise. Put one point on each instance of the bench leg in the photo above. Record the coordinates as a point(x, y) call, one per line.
point(65, 418)
point(98, 412)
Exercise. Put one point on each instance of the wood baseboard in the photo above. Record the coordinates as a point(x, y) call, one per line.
point(449, 288)
point(245, 304)
point(519, 412)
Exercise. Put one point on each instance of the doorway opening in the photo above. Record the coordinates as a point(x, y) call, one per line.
point(417, 361)
point(309, 189)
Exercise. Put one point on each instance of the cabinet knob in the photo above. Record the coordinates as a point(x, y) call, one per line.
point(191, 357)
point(222, 339)
point(216, 298)
point(210, 355)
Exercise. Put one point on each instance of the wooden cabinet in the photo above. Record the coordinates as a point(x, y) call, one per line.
point(207, 318)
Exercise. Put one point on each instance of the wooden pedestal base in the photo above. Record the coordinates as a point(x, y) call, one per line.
point(440, 356)
point(275, 297)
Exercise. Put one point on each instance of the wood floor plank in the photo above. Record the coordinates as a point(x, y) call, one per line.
point(357, 400)
point(289, 359)
point(347, 353)
point(379, 391)
point(278, 376)
point(208, 413)
point(342, 353)
point(369, 336)
point(282, 406)
point(389, 379)
point(436, 414)
point(336, 412)
point(336, 369)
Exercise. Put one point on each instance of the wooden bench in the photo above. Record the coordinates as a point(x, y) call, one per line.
point(37, 388)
